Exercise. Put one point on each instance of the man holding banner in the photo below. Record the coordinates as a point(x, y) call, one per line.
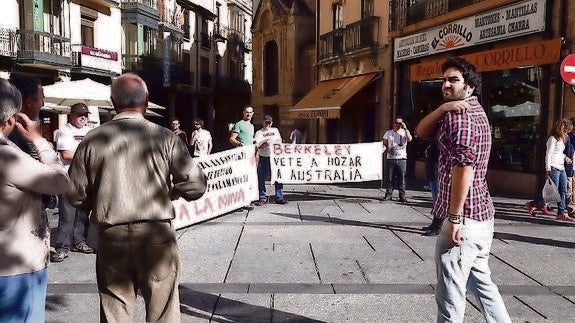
point(265, 138)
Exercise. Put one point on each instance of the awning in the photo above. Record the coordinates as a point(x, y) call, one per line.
point(326, 99)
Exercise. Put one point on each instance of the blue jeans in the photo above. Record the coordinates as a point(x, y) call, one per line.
point(264, 169)
point(466, 267)
point(396, 167)
point(559, 177)
point(23, 297)
point(72, 224)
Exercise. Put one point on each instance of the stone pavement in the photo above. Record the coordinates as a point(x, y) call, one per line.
point(337, 253)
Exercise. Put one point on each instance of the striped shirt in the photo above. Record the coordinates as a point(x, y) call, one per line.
point(465, 140)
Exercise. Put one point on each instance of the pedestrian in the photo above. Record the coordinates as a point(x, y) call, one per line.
point(124, 173)
point(72, 227)
point(265, 138)
point(179, 132)
point(462, 248)
point(395, 141)
point(296, 136)
point(25, 234)
point(569, 171)
point(555, 160)
point(32, 100)
point(242, 133)
point(200, 139)
point(431, 159)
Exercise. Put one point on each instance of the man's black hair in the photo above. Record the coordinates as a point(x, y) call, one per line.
point(27, 85)
point(468, 71)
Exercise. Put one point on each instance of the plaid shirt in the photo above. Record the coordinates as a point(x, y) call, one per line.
point(465, 140)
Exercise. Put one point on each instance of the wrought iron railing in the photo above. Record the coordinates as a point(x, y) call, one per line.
point(361, 34)
point(44, 42)
point(8, 42)
point(401, 14)
point(331, 44)
point(149, 3)
point(220, 31)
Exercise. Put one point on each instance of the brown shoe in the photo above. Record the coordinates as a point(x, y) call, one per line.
point(261, 202)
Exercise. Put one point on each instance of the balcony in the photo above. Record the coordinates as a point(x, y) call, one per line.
point(85, 58)
point(43, 48)
point(143, 12)
point(220, 32)
point(401, 15)
point(171, 20)
point(361, 34)
point(8, 42)
point(331, 44)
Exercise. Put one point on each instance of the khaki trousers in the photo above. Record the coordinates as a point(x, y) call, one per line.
point(138, 256)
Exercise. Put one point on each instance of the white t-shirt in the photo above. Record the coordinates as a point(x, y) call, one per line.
point(68, 138)
point(202, 138)
point(271, 135)
point(397, 144)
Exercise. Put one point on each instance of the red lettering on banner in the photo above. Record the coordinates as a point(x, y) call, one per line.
point(184, 214)
point(230, 198)
point(205, 208)
point(298, 149)
point(277, 149)
point(317, 150)
point(307, 150)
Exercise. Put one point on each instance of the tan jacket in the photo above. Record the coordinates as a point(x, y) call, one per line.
point(124, 171)
point(24, 231)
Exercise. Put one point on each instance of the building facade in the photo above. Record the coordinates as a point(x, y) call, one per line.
point(517, 46)
point(284, 53)
point(348, 102)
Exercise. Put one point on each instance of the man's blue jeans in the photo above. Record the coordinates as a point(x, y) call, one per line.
point(396, 167)
point(463, 267)
point(23, 297)
point(264, 169)
point(559, 177)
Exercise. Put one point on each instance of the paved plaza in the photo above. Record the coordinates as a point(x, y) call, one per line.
point(338, 253)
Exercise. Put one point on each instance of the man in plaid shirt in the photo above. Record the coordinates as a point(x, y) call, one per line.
point(462, 249)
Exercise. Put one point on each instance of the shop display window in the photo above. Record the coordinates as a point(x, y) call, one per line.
point(512, 101)
point(513, 105)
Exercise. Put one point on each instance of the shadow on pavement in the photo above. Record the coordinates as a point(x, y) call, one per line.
point(535, 240)
point(335, 220)
point(228, 310)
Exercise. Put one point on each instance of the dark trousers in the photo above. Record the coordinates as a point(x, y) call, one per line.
point(396, 168)
point(72, 225)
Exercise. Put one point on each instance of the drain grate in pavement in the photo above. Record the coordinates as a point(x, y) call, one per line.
point(355, 200)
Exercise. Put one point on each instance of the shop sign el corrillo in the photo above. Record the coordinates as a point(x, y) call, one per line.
point(532, 54)
point(514, 20)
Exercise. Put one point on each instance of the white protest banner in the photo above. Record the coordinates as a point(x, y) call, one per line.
point(232, 183)
point(326, 163)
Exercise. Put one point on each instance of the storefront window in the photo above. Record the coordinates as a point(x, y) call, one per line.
point(512, 101)
point(513, 104)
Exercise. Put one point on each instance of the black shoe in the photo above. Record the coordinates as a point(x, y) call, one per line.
point(429, 227)
point(402, 199)
point(431, 232)
point(282, 201)
point(387, 196)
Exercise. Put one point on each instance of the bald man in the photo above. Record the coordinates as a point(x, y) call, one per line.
point(124, 172)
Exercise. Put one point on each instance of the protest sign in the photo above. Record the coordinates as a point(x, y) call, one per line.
point(326, 163)
point(232, 183)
